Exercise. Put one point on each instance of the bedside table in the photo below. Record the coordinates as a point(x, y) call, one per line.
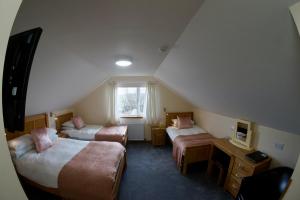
point(158, 135)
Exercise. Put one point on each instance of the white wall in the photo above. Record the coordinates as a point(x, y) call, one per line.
point(264, 137)
point(93, 108)
point(10, 187)
point(240, 58)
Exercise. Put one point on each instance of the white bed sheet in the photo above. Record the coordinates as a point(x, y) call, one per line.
point(86, 133)
point(43, 168)
point(173, 132)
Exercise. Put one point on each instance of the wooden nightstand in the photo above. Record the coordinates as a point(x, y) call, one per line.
point(158, 135)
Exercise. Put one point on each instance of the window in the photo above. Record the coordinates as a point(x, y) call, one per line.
point(130, 101)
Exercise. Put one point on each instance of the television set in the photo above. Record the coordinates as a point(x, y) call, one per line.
point(242, 134)
point(17, 65)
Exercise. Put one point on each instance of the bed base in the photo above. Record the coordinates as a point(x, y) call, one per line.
point(62, 118)
point(193, 155)
point(55, 191)
point(124, 143)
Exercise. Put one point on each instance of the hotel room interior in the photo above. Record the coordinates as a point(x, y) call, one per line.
point(136, 99)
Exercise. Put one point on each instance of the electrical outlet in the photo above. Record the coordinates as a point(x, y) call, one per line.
point(279, 146)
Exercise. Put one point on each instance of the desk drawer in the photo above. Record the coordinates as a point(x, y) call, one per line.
point(241, 169)
point(233, 186)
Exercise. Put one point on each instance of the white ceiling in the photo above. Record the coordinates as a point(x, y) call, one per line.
point(240, 59)
point(81, 39)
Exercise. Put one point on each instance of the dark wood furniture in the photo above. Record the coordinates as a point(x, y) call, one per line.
point(158, 135)
point(238, 165)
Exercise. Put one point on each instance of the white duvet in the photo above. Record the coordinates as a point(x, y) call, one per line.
point(86, 133)
point(43, 168)
point(173, 132)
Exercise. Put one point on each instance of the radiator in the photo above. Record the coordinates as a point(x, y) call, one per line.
point(136, 130)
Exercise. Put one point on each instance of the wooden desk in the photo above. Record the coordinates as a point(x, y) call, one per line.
point(239, 166)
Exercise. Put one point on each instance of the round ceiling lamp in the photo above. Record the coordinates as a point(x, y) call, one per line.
point(124, 61)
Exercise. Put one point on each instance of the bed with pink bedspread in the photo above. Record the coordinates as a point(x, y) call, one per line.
point(75, 169)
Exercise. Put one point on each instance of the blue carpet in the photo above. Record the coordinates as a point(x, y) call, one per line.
point(152, 174)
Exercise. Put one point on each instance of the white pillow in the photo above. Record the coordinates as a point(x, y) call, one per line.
point(66, 128)
point(20, 143)
point(17, 154)
point(68, 124)
point(52, 133)
point(25, 142)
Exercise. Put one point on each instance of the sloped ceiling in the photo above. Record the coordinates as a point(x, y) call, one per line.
point(241, 59)
point(81, 39)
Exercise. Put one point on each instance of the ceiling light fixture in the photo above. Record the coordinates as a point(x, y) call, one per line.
point(123, 61)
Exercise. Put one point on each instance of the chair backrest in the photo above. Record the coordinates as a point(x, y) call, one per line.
point(266, 185)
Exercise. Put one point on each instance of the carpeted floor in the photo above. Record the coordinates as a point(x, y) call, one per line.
point(151, 174)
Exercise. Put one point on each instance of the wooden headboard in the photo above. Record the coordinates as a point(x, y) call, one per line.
point(31, 122)
point(60, 119)
point(173, 115)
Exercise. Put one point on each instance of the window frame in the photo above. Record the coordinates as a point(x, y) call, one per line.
point(139, 115)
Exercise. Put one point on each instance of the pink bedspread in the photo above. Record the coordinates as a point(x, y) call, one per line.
point(91, 174)
point(184, 141)
point(113, 133)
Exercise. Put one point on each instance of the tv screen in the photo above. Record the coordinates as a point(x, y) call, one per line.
point(18, 60)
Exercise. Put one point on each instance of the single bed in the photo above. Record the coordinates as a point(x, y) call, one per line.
point(98, 165)
point(92, 132)
point(189, 145)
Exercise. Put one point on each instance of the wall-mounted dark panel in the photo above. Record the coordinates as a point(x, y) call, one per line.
point(18, 60)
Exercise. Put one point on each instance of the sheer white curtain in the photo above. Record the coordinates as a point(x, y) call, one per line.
point(152, 104)
point(112, 115)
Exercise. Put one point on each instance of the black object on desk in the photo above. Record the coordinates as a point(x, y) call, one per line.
point(257, 156)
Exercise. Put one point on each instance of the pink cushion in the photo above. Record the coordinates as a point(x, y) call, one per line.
point(41, 139)
point(78, 122)
point(184, 122)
